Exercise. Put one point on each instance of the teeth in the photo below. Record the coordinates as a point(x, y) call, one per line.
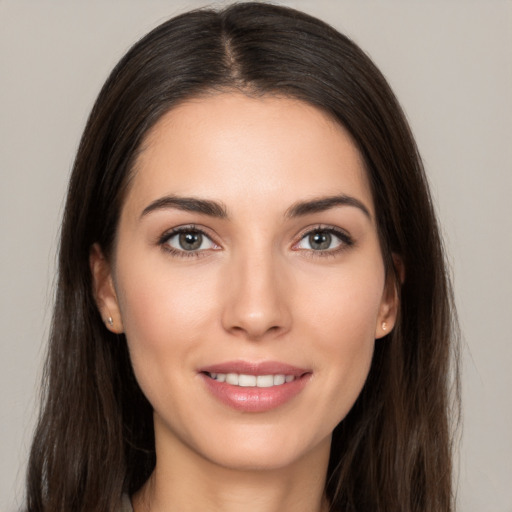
point(247, 380)
point(279, 379)
point(260, 381)
point(265, 381)
point(232, 378)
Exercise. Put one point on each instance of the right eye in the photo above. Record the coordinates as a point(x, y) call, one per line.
point(187, 242)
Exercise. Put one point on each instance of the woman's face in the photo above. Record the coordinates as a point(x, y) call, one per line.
point(248, 279)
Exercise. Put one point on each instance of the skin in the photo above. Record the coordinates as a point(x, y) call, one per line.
point(258, 291)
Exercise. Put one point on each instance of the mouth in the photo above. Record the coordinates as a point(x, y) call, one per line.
point(245, 381)
point(254, 387)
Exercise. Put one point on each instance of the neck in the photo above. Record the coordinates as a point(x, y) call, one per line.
point(183, 481)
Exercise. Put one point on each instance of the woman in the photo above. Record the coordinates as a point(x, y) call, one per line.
point(252, 309)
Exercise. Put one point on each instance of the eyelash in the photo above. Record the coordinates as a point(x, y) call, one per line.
point(164, 239)
point(346, 241)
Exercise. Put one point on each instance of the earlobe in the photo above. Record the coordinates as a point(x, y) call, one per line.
point(104, 290)
point(387, 314)
point(390, 299)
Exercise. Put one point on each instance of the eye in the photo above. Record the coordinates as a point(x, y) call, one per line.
point(324, 240)
point(187, 240)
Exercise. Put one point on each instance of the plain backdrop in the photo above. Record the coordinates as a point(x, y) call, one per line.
point(450, 64)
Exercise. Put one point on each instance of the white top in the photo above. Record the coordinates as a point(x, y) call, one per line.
point(126, 505)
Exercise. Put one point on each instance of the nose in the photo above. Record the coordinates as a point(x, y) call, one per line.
point(256, 304)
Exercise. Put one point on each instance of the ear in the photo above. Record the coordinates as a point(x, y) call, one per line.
point(104, 290)
point(390, 302)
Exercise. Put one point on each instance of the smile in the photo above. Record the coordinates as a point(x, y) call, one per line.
point(252, 387)
point(245, 381)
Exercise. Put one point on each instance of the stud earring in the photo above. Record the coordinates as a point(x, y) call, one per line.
point(110, 321)
point(384, 326)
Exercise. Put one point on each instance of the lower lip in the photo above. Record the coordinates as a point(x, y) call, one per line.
point(254, 399)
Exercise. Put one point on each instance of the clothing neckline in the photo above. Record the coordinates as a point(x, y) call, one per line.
point(126, 504)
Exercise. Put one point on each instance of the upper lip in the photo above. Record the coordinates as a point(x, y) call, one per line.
point(255, 368)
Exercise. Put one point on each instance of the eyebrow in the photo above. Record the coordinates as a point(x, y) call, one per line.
point(322, 204)
point(188, 204)
point(218, 210)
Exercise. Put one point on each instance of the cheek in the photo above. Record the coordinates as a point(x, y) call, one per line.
point(164, 312)
point(346, 304)
point(341, 317)
point(162, 309)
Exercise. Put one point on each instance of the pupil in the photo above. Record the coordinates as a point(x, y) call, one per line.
point(320, 240)
point(190, 241)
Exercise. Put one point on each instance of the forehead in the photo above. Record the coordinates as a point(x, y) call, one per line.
point(231, 147)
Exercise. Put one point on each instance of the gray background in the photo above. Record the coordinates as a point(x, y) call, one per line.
point(450, 63)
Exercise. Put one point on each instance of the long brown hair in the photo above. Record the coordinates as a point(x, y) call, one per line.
point(94, 440)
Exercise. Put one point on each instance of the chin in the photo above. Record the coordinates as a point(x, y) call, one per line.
point(263, 451)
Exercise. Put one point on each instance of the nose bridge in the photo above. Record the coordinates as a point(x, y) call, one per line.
point(256, 303)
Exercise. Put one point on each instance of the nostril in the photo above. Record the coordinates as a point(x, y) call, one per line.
point(253, 332)
point(255, 309)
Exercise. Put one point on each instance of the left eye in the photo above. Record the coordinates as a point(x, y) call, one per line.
point(189, 241)
point(320, 240)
